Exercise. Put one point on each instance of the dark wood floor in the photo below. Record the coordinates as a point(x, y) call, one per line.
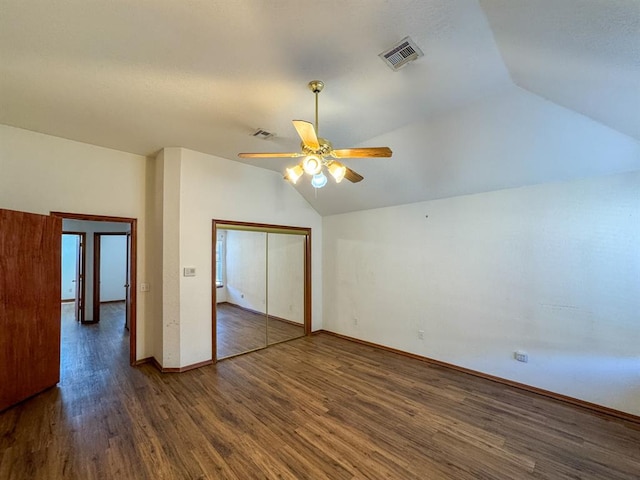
point(318, 407)
point(239, 331)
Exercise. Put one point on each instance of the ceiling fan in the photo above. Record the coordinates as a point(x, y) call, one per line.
point(318, 153)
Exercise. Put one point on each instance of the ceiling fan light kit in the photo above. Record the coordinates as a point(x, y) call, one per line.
point(318, 153)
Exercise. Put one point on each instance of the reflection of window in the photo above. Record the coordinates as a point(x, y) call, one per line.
point(219, 258)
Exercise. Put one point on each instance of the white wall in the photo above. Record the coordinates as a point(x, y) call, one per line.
point(170, 257)
point(214, 188)
point(41, 173)
point(153, 246)
point(551, 269)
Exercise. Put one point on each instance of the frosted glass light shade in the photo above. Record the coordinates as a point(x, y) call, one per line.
point(337, 171)
point(312, 164)
point(319, 180)
point(294, 173)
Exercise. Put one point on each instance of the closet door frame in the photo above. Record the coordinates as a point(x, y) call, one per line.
point(266, 228)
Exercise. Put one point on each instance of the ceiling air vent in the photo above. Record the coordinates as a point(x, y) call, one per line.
point(263, 134)
point(400, 54)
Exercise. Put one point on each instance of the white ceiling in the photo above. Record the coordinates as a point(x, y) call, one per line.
point(508, 93)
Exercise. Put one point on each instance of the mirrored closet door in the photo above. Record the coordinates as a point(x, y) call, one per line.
point(262, 285)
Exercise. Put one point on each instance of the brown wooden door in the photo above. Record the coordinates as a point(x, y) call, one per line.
point(30, 254)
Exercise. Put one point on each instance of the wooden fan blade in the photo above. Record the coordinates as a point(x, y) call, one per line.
point(370, 152)
point(307, 133)
point(269, 155)
point(352, 176)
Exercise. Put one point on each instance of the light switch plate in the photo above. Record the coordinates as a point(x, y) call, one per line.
point(189, 271)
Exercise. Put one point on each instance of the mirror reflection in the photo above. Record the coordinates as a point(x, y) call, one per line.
point(241, 292)
point(285, 287)
point(260, 288)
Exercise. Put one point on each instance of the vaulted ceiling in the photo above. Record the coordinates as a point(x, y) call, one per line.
point(508, 92)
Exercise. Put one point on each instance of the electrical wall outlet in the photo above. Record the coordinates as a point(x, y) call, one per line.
point(521, 356)
point(355, 321)
point(144, 287)
point(421, 334)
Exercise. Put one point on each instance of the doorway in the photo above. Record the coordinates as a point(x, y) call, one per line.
point(130, 225)
point(73, 272)
point(111, 272)
point(261, 286)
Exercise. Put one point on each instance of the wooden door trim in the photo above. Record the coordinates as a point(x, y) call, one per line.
point(214, 294)
point(307, 284)
point(127, 286)
point(96, 278)
point(133, 226)
point(259, 227)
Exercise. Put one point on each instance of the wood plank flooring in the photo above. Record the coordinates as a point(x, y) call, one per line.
point(240, 331)
point(318, 407)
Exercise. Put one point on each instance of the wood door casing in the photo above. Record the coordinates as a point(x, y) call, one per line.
point(96, 278)
point(127, 285)
point(81, 273)
point(30, 292)
point(133, 277)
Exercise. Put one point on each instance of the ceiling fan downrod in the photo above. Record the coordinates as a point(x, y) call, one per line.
point(316, 87)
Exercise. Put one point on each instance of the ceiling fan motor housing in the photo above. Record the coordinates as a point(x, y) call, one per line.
point(325, 148)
